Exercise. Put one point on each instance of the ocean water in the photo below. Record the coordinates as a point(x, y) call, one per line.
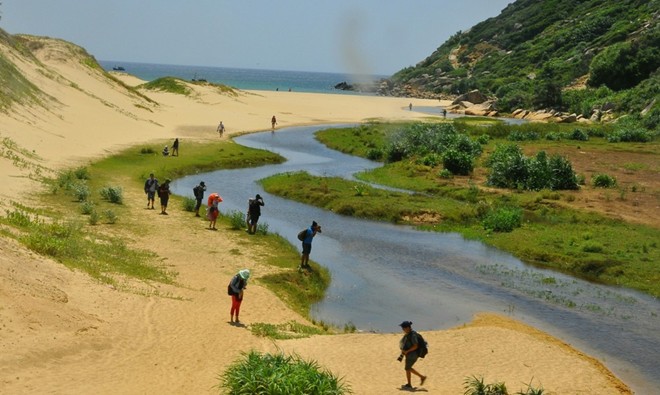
point(253, 79)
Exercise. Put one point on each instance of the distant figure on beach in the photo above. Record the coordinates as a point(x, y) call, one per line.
point(307, 244)
point(212, 210)
point(150, 187)
point(408, 346)
point(164, 195)
point(236, 288)
point(444, 113)
point(166, 151)
point(198, 191)
point(273, 122)
point(254, 212)
point(175, 147)
point(289, 89)
point(410, 106)
point(221, 129)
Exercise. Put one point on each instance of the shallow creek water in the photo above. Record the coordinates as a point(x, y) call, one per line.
point(383, 274)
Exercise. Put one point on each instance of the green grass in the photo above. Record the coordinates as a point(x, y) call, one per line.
point(168, 84)
point(288, 330)
point(278, 374)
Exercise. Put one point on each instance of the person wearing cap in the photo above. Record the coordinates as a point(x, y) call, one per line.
point(164, 195)
point(150, 187)
point(408, 345)
point(236, 288)
point(254, 212)
point(307, 244)
point(198, 191)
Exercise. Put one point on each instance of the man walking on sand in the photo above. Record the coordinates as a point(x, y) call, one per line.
point(408, 345)
point(150, 187)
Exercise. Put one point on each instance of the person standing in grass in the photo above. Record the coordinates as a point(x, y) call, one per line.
point(307, 244)
point(254, 212)
point(236, 288)
point(175, 147)
point(150, 187)
point(198, 191)
point(164, 195)
point(408, 345)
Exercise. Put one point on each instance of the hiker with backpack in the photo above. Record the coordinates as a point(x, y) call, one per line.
point(236, 288)
point(412, 347)
point(254, 212)
point(198, 191)
point(306, 236)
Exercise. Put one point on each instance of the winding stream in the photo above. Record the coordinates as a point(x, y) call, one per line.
point(384, 273)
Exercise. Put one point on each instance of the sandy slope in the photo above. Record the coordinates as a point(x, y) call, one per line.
point(62, 332)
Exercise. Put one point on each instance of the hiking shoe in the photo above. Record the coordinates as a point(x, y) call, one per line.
point(406, 387)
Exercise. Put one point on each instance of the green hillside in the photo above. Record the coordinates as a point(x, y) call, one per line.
point(569, 55)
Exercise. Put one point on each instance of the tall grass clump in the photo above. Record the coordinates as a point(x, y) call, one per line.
point(277, 374)
point(477, 386)
point(80, 191)
point(603, 181)
point(503, 219)
point(188, 203)
point(113, 194)
point(237, 220)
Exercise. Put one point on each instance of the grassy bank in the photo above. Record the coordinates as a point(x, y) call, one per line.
point(85, 221)
point(551, 233)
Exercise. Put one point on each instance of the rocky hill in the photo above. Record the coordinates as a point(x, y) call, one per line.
point(572, 55)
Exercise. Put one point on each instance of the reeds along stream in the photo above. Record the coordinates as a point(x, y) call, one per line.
point(384, 273)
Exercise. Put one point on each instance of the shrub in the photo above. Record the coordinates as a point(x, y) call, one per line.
point(457, 162)
point(444, 173)
point(189, 204)
point(237, 220)
point(262, 228)
point(113, 194)
point(86, 208)
point(80, 191)
point(579, 135)
point(375, 154)
point(503, 219)
point(258, 373)
point(630, 135)
point(508, 166)
point(94, 217)
point(81, 173)
point(110, 216)
point(483, 139)
point(603, 181)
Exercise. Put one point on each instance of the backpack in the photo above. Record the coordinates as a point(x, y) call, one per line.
point(422, 346)
point(196, 192)
point(302, 235)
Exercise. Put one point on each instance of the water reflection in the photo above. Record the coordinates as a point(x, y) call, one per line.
point(383, 273)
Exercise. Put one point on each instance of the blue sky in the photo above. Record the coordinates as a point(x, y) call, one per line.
point(352, 36)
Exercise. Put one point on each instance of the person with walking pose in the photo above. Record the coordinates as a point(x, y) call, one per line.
point(150, 188)
point(408, 345)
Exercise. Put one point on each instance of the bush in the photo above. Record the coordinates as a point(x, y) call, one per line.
point(80, 191)
point(237, 220)
point(189, 204)
point(579, 135)
point(503, 219)
point(110, 216)
point(113, 194)
point(81, 173)
point(603, 181)
point(262, 228)
point(630, 135)
point(457, 162)
point(94, 217)
point(86, 208)
point(375, 154)
point(270, 374)
point(508, 167)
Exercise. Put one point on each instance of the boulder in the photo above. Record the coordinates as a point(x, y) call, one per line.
point(474, 96)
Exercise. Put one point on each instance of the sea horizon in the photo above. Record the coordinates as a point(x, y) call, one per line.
point(245, 78)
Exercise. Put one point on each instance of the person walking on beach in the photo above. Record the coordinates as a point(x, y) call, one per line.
point(408, 345)
point(410, 107)
point(150, 187)
point(254, 212)
point(444, 113)
point(198, 191)
point(221, 129)
point(236, 289)
point(164, 195)
point(175, 147)
point(212, 210)
point(273, 122)
point(307, 244)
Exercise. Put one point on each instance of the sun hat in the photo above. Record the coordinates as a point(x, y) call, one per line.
point(245, 274)
point(405, 324)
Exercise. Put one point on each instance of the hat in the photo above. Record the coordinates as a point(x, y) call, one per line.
point(245, 274)
point(258, 196)
point(202, 183)
point(314, 224)
point(405, 324)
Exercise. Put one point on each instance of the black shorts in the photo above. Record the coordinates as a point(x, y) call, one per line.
point(411, 358)
point(307, 248)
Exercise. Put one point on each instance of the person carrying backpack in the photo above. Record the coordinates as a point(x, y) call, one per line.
point(254, 212)
point(410, 345)
point(236, 288)
point(198, 191)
